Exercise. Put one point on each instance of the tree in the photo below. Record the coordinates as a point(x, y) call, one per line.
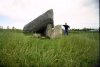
point(7, 27)
point(13, 27)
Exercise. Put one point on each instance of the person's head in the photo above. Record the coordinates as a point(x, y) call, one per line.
point(65, 23)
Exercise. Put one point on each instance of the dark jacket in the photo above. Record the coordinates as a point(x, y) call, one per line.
point(66, 27)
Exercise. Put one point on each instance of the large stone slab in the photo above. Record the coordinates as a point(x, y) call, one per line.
point(39, 24)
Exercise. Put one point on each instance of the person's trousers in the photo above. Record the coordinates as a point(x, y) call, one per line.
point(66, 32)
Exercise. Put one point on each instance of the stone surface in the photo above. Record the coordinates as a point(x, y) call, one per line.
point(36, 35)
point(49, 30)
point(39, 24)
point(55, 32)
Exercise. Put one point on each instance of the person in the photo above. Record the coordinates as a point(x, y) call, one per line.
point(66, 28)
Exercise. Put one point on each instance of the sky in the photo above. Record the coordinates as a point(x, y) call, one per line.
point(76, 13)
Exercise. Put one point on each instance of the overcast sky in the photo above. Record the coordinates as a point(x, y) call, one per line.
point(77, 13)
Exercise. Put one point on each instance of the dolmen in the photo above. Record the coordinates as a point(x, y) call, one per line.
point(43, 25)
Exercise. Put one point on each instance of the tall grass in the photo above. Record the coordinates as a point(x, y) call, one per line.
point(74, 50)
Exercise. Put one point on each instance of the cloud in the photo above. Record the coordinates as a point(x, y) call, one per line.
point(93, 4)
point(78, 13)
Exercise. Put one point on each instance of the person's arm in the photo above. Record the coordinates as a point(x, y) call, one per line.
point(63, 25)
point(69, 27)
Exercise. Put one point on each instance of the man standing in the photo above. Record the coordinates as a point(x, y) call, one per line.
point(66, 28)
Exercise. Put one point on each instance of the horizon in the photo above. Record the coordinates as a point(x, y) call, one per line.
point(78, 14)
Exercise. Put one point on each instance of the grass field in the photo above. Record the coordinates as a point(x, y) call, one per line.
point(80, 49)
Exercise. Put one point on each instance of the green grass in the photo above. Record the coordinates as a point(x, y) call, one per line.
point(75, 50)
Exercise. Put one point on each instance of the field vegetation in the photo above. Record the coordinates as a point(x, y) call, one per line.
point(78, 49)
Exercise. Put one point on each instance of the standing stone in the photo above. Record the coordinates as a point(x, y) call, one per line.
point(49, 30)
point(39, 24)
point(55, 32)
